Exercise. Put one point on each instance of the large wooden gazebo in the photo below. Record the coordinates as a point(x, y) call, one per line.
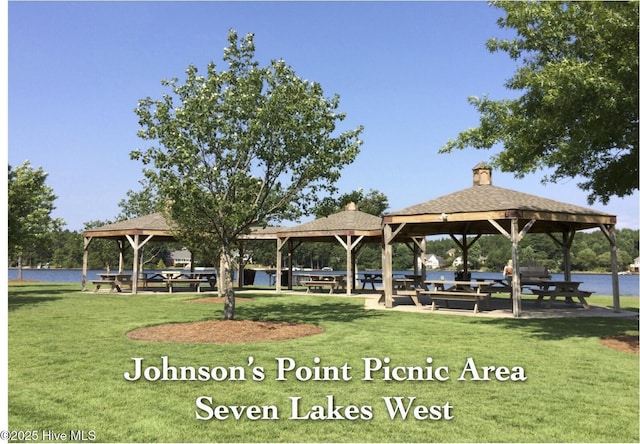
point(486, 209)
point(350, 228)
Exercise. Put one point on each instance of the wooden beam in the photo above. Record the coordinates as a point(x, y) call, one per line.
point(393, 233)
point(525, 229)
point(497, 226)
point(588, 219)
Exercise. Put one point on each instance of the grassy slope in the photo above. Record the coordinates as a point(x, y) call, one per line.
point(68, 353)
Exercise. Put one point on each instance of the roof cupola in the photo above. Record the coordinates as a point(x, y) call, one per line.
point(482, 174)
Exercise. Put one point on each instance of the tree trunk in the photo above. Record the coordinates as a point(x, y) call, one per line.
point(20, 266)
point(225, 284)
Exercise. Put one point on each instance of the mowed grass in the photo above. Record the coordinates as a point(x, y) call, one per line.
point(68, 353)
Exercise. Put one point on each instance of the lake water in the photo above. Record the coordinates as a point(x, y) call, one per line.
point(598, 283)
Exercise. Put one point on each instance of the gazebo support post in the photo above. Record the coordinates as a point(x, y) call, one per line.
point(515, 282)
point(290, 262)
point(352, 247)
point(387, 267)
point(465, 246)
point(279, 244)
point(136, 245)
point(565, 244)
point(85, 262)
point(349, 265)
point(465, 255)
point(240, 265)
point(418, 246)
point(121, 248)
point(567, 241)
point(423, 257)
point(136, 260)
point(387, 261)
point(609, 231)
point(354, 265)
point(515, 236)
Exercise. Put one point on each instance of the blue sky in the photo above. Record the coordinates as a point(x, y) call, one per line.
point(403, 70)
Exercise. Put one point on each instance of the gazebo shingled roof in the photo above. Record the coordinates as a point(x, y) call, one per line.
point(348, 222)
point(154, 223)
point(491, 198)
point(487, 209)
point(471, 207)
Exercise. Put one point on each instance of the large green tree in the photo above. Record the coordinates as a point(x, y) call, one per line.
point(29, 207)
point(140, 203)
point(374, 202)
point(578, 112)
point(242, 146)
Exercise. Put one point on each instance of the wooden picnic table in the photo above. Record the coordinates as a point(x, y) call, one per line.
point(403, 283)
point(114, 280)
point(330, 281)
point(473, 291)
point(372, 279)
point(567, 289)
point(417, 279)
point(195, 279)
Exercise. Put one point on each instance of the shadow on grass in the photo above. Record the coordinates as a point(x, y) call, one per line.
point(19, 301)
point(561, 328)
point(307, 313)
point(23, 294)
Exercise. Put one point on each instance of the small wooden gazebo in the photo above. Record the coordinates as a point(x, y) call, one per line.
point(133, 232)
point(486, 209)
point(350, 228)
point(153, 227)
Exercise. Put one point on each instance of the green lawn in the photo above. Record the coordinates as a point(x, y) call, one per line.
point(68, 355)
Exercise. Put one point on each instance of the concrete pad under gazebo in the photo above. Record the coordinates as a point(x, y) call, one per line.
point(486, 209)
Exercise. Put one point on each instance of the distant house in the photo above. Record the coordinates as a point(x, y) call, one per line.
point(457, 262)
point(178, 258)
point(432, 262)
point(635, 266)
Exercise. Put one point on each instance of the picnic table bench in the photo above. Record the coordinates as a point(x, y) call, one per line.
point(469, 291)
point(330, 281)
point(114, 281)
point(194, 283)
point(404, 286)
point(566, 289)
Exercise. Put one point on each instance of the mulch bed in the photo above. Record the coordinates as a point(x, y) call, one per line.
point(214, 300)
point(224, 332)
point(624, 343)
